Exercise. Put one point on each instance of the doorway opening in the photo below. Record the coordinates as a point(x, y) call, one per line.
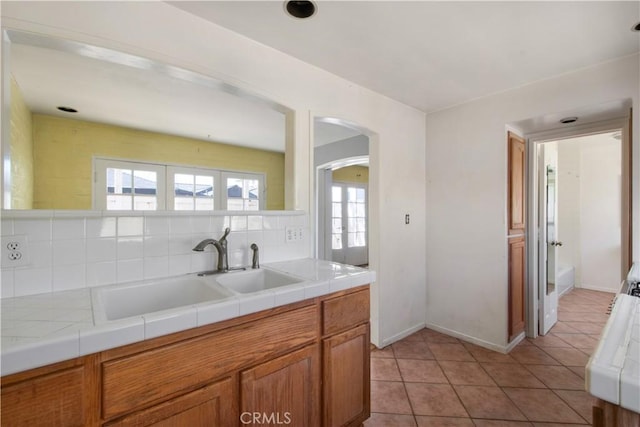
point(580, 210)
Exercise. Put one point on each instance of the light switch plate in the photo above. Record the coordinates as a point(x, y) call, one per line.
point(293, 234)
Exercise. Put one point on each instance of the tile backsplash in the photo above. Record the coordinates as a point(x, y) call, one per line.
point(77, 249)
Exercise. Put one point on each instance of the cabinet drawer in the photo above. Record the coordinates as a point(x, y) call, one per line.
point(343, 312)
point(135, 381)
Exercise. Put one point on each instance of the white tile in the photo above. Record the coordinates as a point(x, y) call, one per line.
point(101, 227)
point(179, 264)
point(40, 353)
point(130, 270)
point(101, 250)
point(201, 225)
point(341, 283)
point(217, 312)
point(203, 261)
point(238, 223)
point(6, 283)
point(111, 335)
point(270, 222)
point(274, 237)
point(181, 244)
point(101, 273)
point(41, 253)
point(71, 228)
point(130, 247)
point(169, 321)
point(219, 223)
point(289, 294)
point(32, 281)
point(316, 289)
point(156, 226)
point(254, 222)
point(34, 229)
point(238, 258)
point(156, 267)
point(130, 226)
point(256, 302)
point(69, 252)
point(156, 246)
point(67, 277)
point(237, 241)
point(256, 237)
point(180, 225)
point(6, 226)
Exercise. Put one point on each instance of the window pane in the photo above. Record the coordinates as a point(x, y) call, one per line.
point(251, 205)
point(234, 188)
point(336, 241)
point(118, 202)
point(360, 210)
point(351, 225)
point(145, 203)
point(251, 189)
point(204, 186)
point(360, 240)
point(336, 194)
point(203, 204)
point(145, 182)
point(351, 194)
point(336, 226)
point(183, 184)
point(361, 224)
point(118, 181)
point(235, 204)
point(183, 204)
point(351, 209)
point(360, 195)
point(337, 210)
point(351, 240)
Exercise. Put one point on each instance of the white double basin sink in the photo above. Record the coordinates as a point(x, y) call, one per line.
point(134, 299)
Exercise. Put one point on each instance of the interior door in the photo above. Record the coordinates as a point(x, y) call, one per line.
point(549, 231)
point(349, 224)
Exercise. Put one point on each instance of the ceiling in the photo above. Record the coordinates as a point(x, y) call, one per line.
point(433, 55)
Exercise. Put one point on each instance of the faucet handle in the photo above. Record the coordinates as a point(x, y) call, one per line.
point(226, 233)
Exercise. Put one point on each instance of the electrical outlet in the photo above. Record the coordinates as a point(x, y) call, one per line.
point(293, 234)
point(15, 251)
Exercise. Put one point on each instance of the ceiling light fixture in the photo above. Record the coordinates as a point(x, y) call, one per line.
point(568, 120)
point(636, 27)
point(300, 9)
point(67, 109)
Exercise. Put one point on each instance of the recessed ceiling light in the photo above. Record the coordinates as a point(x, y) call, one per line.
point(300, 9)
point(568, 120)
point(636, 27)
point(67, 109)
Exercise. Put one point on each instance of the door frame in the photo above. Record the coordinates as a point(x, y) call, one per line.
point(533, 234)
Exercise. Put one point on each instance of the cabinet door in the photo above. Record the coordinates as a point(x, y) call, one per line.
point(517, 270)
point(55, 399)
point(211, 406)
point(346, 377)
point(516, 203)
point(283, 391)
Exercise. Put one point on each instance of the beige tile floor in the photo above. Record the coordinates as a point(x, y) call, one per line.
point(431, 379)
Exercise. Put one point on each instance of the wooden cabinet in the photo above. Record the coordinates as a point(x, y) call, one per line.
point(606, 414)
point(517, 263)
point(283, 391)
point(516, 182)
point(212, 405)
point(304, 364)
point(346, 365)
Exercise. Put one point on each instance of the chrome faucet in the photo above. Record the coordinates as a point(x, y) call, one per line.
point(221, 246)
point(255, 262)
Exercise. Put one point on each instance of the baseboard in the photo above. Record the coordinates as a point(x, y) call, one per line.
point(570, 288)
point(596, 288)
point(473, 340)
point(403, 334)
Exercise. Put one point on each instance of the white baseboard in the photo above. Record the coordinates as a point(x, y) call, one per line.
point(597, 288)
point(570, 288)
point(477, 341)
point(403, 334)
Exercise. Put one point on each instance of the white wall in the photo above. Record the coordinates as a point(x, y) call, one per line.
point(466, 161)
point(161, 32)
point(569, 206)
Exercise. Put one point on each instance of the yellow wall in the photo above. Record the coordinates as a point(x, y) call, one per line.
point(359, 174)
point(64, 149)
point(21, 151)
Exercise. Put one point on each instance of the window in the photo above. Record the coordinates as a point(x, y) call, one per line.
point(124, 185)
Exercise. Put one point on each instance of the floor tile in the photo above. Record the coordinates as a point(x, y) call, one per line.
point(542, 405)
point(424, 371)
point(484, 355)
point(563, 327)
point(435, 399)
point(581, 402)
point(549, 340)
point(568, 316)
point(424, 421)
point(385, 370)
point(532, 355)
point(390, 420)
point(465, 373)
point(455, 352)
point(416, 336)
point(389, 397)
point(488, 402)
point(557, 377)
point(586, 327)
point(386, 352)
point(557, 425)
point(432, 336)
point(579, 340)
point(568, 356)
point(512, 375)
point(578, 370)
point(412, 350)
point(501, 423)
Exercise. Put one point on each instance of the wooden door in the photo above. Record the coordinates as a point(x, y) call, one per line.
point(516, 240)
point(211, 406)
point(283, 391)
point(517, 262)
point(346, 377)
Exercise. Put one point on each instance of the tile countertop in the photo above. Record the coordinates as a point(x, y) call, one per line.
point(42, 329)
point(613, 371)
